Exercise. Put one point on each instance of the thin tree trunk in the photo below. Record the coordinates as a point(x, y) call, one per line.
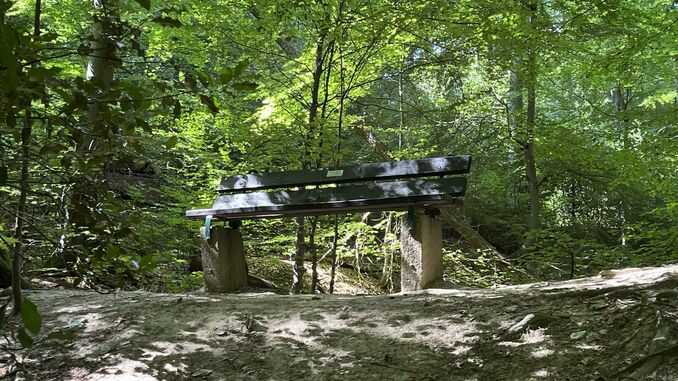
point(298, 269)
point(528, 150)
point(100, 64)
point(323, 114)
point(337, 159)
point(314, 255)
point(401, 111)
point(387, 269)
point(333, 271)
point(18, 254)
point(620, 97)
point(515, 106)
point(24, 187)
point(99, 70)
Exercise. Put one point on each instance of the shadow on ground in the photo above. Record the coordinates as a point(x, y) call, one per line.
point(624, 325)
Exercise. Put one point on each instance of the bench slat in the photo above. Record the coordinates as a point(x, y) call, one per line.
point(386, 195)
point(436, 166)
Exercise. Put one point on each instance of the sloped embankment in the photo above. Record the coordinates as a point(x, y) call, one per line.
point(621, 324)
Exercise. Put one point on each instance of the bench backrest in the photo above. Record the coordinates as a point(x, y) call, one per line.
point(438, 166)
point(378, 186)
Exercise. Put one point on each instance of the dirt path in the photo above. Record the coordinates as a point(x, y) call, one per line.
point(621, 324)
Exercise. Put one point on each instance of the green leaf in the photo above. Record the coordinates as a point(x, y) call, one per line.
point(145, 3)
point(226, 75)
point(204, 78)
point(167, 21)
point(147, 262)
point(230, 73)
point(24, 338)
point(113, 251)
point(30, 316)
point(171, 142)
point(245, 86)
point(210, 103)
point(51, 148)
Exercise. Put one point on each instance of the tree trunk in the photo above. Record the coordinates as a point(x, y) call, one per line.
point(528, 150)
point(102, 56)
point(620, 98)
point(18, 254)
point(401, 110)
point(298, 268)
point(335, 238)
point(99, 70)
point(24, 187)
point(515, 106)
point(314, 255)
point(387, 249)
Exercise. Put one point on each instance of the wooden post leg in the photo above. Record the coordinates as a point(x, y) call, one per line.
point(421, 249)
point(223, 260)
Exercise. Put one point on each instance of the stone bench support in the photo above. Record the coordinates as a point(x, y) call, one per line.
point(223, 260)
point(421, 249)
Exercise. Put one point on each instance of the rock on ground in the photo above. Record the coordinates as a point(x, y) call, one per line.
point(622, 325)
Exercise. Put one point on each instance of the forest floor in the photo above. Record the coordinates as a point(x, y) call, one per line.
point(621, 325)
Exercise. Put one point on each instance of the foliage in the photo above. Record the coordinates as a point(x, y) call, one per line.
point(479, 269)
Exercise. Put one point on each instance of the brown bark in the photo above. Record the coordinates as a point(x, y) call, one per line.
point(620, 98)
point(299, 259)
point(387, 269)
point(314, 255)
point(335, 239)
point(18, 252)
point(298, 268)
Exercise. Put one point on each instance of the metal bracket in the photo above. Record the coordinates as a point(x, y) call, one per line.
point(206, 229)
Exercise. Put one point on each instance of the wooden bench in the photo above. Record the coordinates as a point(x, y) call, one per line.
point(419, 186)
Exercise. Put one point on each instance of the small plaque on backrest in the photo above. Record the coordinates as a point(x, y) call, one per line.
point(335, 173)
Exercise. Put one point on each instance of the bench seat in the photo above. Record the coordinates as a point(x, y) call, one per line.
point(377, 195)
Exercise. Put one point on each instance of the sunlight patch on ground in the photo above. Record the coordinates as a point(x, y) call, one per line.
point(77, 308)
point(531, 336)
point(541, 353)
point(435, 333)
point(461, 350)
point(294, 328)
point(174, 367)
point(541, 373)
point(309, 333)
point(124, 370)
point(165, 348)
point(589, 347)
point(534, 336)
